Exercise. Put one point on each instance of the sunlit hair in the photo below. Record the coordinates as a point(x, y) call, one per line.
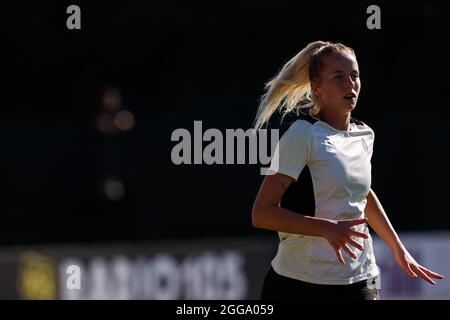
point(291, 88)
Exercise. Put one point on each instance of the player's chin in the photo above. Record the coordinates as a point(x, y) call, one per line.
point(349, 104)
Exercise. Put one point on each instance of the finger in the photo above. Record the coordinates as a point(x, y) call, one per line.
point(339, 256)
point(430, 273)
point(356, 244)
point(359, 234)
point(355, 222)
point(408, 269)
point(350, 252)
point(421, 274)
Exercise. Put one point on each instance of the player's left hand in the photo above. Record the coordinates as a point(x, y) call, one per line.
point(414, 269)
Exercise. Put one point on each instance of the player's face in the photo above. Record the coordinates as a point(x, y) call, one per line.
point(339, 83)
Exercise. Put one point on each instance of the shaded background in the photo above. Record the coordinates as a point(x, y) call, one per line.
point(170, 63)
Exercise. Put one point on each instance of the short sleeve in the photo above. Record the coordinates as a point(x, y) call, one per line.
point(292, 152)
point(368, 140)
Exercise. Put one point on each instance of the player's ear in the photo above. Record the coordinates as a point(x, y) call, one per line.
point(315, 87)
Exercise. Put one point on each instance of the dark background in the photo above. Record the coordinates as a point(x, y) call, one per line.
point(176, 62)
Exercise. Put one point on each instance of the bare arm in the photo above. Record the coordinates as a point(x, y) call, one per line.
point(379, 221)
point(267, 214)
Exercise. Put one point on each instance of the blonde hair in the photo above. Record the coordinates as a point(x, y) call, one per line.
point(291, 89)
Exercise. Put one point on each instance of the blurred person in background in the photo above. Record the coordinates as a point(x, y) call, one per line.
point(318, 195)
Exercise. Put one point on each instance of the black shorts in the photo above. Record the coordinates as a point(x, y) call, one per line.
point(277, 287)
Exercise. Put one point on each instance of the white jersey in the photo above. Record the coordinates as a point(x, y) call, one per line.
point(332, 170)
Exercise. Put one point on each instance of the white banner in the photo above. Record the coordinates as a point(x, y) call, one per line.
point(432, 250)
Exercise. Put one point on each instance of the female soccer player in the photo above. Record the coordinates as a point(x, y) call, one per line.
point(318, 195)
